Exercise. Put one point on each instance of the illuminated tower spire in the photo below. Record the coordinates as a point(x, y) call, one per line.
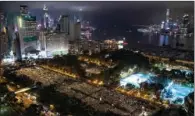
point(45, 17)
point(167, 15)
point(45, 8)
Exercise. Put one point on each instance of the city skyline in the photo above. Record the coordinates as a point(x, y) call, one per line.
point(100, 13)
point(97, 58)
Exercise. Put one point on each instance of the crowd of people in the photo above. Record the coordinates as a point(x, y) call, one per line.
point(99, 98)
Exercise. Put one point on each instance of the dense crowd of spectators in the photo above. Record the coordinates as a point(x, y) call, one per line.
point(99, 98)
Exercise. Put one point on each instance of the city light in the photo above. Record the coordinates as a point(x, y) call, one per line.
point(20, 22)
point(176, 93)
point(50, 63)
point(8, 60)
point(4, 30)
point(135, 79)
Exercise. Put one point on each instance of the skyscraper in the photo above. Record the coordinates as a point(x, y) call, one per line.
point(167, 19)
point(3, 44)
point(3, 36)
point(75, 30)
point(45, 17)
point(2, 22)
point(23, 9)
point(42, 39)
point(47, 21)
point(27, 32)
point(185, 20)
point(64, 24)
point(167, 15)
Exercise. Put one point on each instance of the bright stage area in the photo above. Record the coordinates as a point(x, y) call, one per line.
point(135, 79)
point(175, 93)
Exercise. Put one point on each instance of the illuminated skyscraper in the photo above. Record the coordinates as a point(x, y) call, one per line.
point(185, 20)
point(162, 25)
point(167, 15)
point(27, 33)
point(167, 19)
point(86, 30)
point(47, 21)
point(45, 17)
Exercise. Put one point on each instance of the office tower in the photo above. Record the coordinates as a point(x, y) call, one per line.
point(42, 40)
point(27, 33)
point(2, 22)
point(3, 44)
point(75, 30)
point(3, 36)
point(185, 20)
point(167, 15)
point(167, 19)
point(162, 25)
point(11, 20)
point(42, 44)
point(47, 21)
point(86, 30)
point(45, 17)
point(64, 24)
point(17, 50)
point(23, 9)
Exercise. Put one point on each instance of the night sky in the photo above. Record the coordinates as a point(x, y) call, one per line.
point(104, 15)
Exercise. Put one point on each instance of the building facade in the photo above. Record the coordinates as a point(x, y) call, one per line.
point(27, 33)
point(64, 24)
point(75, 30)
point(3, 44)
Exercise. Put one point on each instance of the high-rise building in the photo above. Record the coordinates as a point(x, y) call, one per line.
point(2, 22)
point(47, 21)
point(45, 17)
point(167, 15)
point(3, 44)
point(11, 29)
point(42, 40)
point(23, 9)
point(27, 33)
point(3, 36)
point(86, 30)
point(75, 30)
point(185, 20)
point(167, 19)
point(64, 24)
point(17, 50)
